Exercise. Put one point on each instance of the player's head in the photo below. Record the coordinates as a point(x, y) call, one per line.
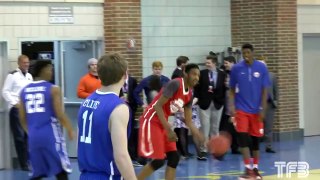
point(229, 62)
point(247, 52)
point(23, 63)
point(112, 69)
point(192, 73)
point(182, 61)
point(157, 67)
point(154, 83)
point(42, 69)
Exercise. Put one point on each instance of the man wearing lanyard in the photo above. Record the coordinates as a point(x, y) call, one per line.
point(210, 95)
point(15, 81)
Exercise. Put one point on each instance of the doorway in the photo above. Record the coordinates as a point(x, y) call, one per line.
point(5, 153)
point(311, 87)
point(70, 64)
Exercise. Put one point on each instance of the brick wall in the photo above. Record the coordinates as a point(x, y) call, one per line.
point(271, 26)
point(122, 20)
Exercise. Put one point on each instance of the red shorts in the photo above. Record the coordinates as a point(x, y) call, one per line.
point(248, 123)
point(153, 141)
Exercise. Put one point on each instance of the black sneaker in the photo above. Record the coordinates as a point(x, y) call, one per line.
point(202, 156)
point(190, 155)
point(256, 173)
point(248, 174)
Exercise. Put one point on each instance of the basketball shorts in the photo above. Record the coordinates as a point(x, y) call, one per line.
point(248, 123)
point(49, 160)
point(153, 140)
point(99, 176)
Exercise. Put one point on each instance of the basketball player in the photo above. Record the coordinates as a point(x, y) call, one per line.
point(157, 140)
point(103, 126)
point(249, 81)
point(41, 116)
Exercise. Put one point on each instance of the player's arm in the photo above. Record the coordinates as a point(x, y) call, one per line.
point(58, 109)
point(264, 102)
point(118, 124)
point(264, 94)
point(22, 116)
point(169, 90)
point(158, 107)
point(232, 92)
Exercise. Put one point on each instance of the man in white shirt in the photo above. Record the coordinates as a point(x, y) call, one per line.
point(15, 81)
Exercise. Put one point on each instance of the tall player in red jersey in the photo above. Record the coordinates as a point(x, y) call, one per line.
point(157, 140)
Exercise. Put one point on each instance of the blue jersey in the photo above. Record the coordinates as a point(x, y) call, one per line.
point(95, 150)
point(46, 143)
point(41, 119)
point(249, 82)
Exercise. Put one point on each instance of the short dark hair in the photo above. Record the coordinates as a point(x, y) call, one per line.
point(154, 83)
point(230, 59)
point(213, 58)
point(111, 68)
point(190, 66)
point(248, 46)
point(182, 60)
point(38, 66)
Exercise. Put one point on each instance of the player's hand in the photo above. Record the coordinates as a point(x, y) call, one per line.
point(232, 110)
point(172, 136)
point(71, 134)
point(261, 116)
point(194, 101)
point(232, 120)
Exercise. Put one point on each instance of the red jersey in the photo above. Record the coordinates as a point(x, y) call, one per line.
point(153, 141)
point(177, 99)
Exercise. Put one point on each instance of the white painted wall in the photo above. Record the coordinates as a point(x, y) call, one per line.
point(87, 1)
point(20, 21)
point(308, 15)
point(183, 27)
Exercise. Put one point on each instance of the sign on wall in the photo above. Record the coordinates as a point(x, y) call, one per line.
point(61, 15)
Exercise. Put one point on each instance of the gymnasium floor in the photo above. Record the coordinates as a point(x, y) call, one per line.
point(231, 167)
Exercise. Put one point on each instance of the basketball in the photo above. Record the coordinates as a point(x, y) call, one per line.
point(219, 145)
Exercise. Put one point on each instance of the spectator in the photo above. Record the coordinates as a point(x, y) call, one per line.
point(144, 84)
point(272, 103)
point(181, 62)
point(89, 82)
point(226, 121)
point(210, 94)
point(14, 83)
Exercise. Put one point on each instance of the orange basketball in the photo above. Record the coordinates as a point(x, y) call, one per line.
point(219, 145)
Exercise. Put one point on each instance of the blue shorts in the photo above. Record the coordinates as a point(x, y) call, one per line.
point(99, 176)
point(49, 160)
